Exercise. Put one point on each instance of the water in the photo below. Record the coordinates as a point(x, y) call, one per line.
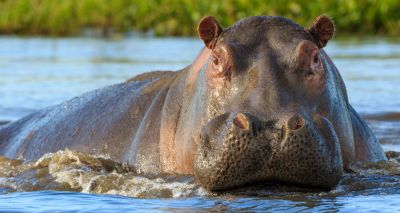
point(78, 202)
point(38, 72)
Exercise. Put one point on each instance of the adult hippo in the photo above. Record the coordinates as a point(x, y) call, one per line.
point(262, 102)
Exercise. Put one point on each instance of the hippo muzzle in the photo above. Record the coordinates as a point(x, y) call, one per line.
point(241, 149)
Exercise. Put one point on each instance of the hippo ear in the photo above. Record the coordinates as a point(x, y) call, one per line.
point(209, 30)
point(322, 29)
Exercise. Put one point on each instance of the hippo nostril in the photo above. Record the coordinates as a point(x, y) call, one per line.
point(241, 121)
point(295, 122)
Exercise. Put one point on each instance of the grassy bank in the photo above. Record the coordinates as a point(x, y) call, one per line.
point(180, 17)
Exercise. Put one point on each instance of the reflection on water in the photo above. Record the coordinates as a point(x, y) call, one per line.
point(38, 72)
point(49, 201)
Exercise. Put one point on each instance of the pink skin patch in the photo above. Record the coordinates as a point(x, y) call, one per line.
point(220, 68)
point(296, 122)
point(198, 64)
point(241, 121)
point(309, 61)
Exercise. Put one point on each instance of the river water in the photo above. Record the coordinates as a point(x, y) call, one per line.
point(38, 72)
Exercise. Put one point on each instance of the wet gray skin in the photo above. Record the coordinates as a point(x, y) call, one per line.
point(307, 155)
point(262, 102)
point(288, 117)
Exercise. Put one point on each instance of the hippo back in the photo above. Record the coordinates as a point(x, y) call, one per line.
point(103, 121)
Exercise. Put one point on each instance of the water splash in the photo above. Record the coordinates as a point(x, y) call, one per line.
point(74, 171)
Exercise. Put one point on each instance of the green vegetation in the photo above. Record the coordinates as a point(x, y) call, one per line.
point(180, 17)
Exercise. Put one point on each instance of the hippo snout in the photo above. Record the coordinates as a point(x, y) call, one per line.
point(240, 149)
point(309, 155)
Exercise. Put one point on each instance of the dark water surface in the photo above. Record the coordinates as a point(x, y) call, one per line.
point(38, 72)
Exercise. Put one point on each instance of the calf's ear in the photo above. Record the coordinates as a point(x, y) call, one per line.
point(209, 30)
point(322, 29)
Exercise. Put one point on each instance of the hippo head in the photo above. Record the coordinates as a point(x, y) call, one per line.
point(275, 105)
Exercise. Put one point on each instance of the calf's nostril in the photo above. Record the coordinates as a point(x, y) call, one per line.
point(241, 121)
point(295, 122)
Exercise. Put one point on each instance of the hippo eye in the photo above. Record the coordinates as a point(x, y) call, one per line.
point(215, 61)
point(220, 63)
point(316, 59)
point(309, 73)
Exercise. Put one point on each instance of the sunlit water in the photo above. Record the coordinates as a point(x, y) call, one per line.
point(38, 72)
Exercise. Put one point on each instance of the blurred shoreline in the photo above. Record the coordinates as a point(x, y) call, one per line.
point(180, 18)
